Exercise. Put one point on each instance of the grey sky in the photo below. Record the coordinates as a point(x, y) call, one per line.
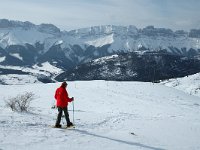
point(72, 14)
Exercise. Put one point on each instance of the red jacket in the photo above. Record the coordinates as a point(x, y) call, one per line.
point(61, 97)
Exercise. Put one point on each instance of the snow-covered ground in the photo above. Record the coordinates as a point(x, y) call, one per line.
point(106, 113)
point(33, 73)
point(18, 79)
point(189, 84)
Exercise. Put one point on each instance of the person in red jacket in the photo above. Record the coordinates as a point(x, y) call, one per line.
point(62, 100)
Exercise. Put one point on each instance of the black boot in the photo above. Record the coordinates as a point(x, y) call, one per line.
point(57, 126)
point(70, 124)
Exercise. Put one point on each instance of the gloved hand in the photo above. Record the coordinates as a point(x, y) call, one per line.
point(72, 99)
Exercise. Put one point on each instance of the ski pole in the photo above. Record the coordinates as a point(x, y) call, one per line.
point(73, 111)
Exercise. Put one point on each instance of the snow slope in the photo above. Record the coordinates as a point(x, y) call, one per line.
point(21, 36)
point(44, 69)
point(106, 113)
point(189, 84)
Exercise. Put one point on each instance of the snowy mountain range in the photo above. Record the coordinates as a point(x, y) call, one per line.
point(24, 44)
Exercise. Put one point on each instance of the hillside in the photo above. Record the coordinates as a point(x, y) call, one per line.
point(106, 115)
point(189, 84)
point(134, 66)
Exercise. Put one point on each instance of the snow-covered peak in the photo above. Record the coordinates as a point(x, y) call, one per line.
point(21, 36)
point(104, 59)
point(103, 30)
point(46, 66)
point(132, 29)
point(20, 33)
point(16, 55)
point(2, 59)
point(48, 28)
point(59, 42)
point(4, 23)
point(8, 38)
point(99, 42)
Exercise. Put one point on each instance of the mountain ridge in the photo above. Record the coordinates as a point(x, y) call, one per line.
point(134, 66)
point(25, 44)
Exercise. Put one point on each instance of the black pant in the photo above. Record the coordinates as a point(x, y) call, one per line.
point(60, 110)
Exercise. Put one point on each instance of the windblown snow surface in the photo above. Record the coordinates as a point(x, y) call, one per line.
point(108, 116)
point(189, 84)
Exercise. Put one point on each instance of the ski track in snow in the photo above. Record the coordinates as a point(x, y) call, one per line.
point(106, 116)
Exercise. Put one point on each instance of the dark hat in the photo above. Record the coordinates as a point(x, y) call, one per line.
point(64, 83)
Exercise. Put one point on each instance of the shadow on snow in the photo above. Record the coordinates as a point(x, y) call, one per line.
point(117, 140)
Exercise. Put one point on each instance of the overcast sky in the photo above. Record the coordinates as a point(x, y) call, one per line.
point(73, 14)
